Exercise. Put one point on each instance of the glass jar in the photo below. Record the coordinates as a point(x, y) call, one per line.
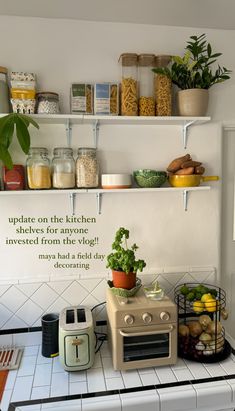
point(146, 86)
point(47, 103)
point(129, 90)
point(4, 91)
point(87, 168)
point(38, 168)
point(163, 88)
point(63, 168)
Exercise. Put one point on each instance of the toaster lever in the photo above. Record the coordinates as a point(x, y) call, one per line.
point(76, 342)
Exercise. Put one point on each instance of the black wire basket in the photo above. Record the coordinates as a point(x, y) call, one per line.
point(201, 335)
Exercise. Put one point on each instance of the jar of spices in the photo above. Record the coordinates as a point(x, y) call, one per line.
point(87, 168)
point(38, 168)
point(63, 168)
point(4, 91)
point(129, 90)
point(14, 179)
point(163, 88)
point(146, 89)
point(47, 103)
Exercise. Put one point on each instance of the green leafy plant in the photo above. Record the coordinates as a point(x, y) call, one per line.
point(11, 124)
point(123, 258)
point(194, 69)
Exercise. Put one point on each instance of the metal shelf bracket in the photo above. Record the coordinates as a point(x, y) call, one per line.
point(98, 202)
point(96, 127)
point(68, 129)
point(185, 132)
point(185, 200)
point(72, 197)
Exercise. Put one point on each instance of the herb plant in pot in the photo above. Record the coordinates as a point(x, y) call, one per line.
point(194, 75)
point(123, 261)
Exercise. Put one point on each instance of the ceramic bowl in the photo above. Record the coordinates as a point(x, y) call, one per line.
point(112, 181)
point(149, 178)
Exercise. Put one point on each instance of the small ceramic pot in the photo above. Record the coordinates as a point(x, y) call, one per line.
point(193, 102)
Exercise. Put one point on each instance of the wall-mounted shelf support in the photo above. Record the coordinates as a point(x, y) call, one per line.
point(68, 132)
point(96, 127)
point(72, 203)
point(98, 202)
point(185, 200)
point(185, 132)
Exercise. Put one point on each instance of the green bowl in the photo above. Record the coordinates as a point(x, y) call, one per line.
point(149, 178)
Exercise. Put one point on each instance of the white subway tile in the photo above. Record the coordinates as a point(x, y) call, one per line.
point(139, 401)
point(177, 398)
point(22, 389)
point(95, 380)
point(218, 393)
point(131, 379)
point(42, 375)
point(114, 383)
point(40, 392)
point(59, 384)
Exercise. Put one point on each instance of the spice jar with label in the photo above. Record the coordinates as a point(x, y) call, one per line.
point(63, 168)
point(163, 88)
point(38, 168)
point(87, 168)
point(146, 89)
point(129, 90)
point(47, 103)
point(4, 91)
point(14, 179)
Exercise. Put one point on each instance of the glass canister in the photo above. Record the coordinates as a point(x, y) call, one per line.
point(63, 168)
point(129, 90)
point(146, 85)
point(4, 91)
point(47, 103)
point(38, 168)
point(163, 88)
point(87, 168)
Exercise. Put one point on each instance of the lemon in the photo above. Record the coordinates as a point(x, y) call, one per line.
point(212, 305)
point(198, 306)
point(206, 297)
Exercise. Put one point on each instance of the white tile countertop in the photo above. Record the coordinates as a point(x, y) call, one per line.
point(42, 384)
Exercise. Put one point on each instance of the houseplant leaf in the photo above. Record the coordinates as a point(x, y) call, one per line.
point(22, 134)
point(6, 157)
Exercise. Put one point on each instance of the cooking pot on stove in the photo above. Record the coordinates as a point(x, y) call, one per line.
point(192, 180)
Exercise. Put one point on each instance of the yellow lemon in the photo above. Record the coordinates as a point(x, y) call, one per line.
point(206, 297)
point(212, 305)
point(198, 306)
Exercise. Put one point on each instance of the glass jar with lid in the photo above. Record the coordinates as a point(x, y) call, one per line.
point(47, 103)
point(129, 90)
point(4, 91)
point(38, 168)
point(163, 88)
point(63, 168)
point(87, 168)
point(146, 85)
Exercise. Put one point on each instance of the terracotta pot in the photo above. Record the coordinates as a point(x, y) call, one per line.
point(123, 280)
point(193, 102)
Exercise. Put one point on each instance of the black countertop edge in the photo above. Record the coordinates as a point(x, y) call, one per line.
point(14, 405)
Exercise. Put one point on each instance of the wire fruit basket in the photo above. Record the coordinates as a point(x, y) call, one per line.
point(201, 335)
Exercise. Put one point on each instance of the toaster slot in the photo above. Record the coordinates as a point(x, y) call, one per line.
point(69, 316)
point(81, 316)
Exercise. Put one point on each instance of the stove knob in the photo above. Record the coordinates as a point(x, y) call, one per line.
point(129, 319)
point(164, 316)
point(147, 318)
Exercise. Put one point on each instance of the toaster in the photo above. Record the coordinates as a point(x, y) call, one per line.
point(76, 338)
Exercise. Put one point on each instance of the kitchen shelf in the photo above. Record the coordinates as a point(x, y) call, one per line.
point(99, 192)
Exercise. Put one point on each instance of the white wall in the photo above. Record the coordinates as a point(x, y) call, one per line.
point(61, 52)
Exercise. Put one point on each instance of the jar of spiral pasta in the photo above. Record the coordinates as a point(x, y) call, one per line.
point(163, 88)
point(38, 168)
point(146, 89)
point(129, 91)
point(87, 168)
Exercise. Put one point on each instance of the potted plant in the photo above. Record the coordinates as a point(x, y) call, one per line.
point(18, 123)
point(123, 262)
point(193, 74)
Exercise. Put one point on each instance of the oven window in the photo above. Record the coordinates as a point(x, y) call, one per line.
point(146, 347)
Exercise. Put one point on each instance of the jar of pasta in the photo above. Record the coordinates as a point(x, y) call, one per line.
point(47, 103)
point(38, 168)
point(87, 168)
point(163, 88)
point(146, 89)
point(129, 91)
point(63, 168)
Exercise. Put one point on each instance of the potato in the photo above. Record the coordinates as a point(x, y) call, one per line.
point(195, 328)
point(183, 330)
point(204, 320)
point(190, 163)
point(176, 163)
point(185, 171)
point(214, 327)
point(199, 170)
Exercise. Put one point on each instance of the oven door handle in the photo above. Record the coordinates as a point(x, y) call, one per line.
point(124, 334)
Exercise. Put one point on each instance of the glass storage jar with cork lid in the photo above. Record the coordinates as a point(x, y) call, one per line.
point(4, 91)
point(146, 89)
point(63, 168)
point(47, 103)
point(163, 88)
point(129, 90)
point(38, 168)
point(87, 168)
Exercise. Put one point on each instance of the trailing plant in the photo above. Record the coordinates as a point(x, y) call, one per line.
point(194, 69)
point(17, 124)
point(123, 258)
